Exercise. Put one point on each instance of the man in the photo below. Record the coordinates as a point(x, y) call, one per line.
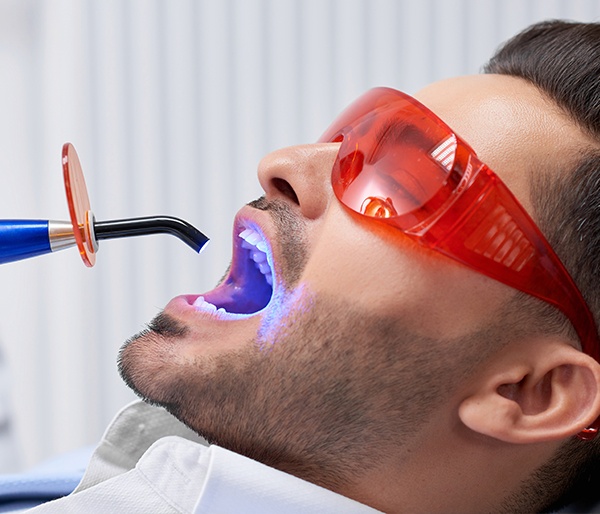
point(394, 375)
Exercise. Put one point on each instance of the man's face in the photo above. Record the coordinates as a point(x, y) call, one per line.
point(364, 330)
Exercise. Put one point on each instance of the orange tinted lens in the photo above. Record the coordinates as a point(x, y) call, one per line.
point(396, 161)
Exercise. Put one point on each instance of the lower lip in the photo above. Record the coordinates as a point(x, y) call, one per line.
point(183, 305)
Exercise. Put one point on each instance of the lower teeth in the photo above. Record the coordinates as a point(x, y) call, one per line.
point(202, 304)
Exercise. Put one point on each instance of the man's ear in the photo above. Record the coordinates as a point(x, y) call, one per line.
point(544, 390)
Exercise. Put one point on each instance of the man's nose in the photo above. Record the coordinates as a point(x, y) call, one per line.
point(300, 175)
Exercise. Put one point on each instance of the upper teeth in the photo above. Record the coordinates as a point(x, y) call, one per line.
point(254, 242)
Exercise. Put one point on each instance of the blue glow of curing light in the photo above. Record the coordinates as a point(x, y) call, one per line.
point(285, 309)
point(248, 289)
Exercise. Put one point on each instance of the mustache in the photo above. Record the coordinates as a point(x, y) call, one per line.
point(289, 224)
point(262, 204)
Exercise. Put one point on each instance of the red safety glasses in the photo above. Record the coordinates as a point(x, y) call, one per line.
point(402, 165)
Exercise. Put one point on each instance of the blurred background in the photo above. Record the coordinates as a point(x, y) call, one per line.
point(171, 104)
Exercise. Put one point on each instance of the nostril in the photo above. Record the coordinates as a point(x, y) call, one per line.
point(284, 187)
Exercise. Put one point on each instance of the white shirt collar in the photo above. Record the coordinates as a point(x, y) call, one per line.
point(181, 470)
point(237, 484)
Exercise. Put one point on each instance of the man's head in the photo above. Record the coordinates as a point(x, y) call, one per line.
point(376, 367)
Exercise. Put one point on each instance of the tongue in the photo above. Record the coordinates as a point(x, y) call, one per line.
point(244, 294)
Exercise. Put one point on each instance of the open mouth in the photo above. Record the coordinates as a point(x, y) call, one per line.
point(249, 286)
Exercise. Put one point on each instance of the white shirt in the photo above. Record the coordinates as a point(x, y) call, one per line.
point(149, 462)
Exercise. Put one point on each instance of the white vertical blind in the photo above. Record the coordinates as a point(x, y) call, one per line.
point(171, 104)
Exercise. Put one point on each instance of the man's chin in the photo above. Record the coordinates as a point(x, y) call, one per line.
point(142, 362)
point(159, 370)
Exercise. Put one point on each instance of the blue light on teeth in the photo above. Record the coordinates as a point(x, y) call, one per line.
point(260, 254)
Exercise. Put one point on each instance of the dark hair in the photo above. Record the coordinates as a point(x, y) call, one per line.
point(562, 59)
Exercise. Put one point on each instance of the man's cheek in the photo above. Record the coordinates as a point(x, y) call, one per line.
point(285, 313)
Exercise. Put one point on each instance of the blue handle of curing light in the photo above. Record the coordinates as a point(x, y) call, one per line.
point(20, 239)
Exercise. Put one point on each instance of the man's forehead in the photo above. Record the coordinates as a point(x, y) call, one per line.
point(512, 126)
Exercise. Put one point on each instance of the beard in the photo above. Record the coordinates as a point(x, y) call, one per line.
point(323, 393)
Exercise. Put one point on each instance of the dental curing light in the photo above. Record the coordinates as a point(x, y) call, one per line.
point(21, 239)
